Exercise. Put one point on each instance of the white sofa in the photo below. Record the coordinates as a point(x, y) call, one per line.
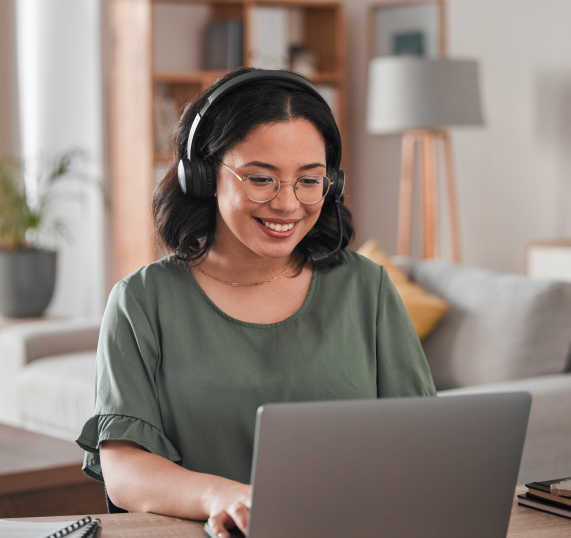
point(506, 333)
point(47, 373)
point(503, 333)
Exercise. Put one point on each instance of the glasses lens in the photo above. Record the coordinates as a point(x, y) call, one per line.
point(261, 187)
point(312, 189)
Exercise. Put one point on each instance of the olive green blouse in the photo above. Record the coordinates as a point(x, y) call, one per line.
point(183, 379)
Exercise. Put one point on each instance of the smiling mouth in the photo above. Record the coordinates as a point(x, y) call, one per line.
point(277, 227)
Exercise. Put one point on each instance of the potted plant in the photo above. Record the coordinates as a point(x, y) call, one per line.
point(27, 271)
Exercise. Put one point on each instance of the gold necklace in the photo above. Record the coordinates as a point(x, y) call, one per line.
point(235, 284)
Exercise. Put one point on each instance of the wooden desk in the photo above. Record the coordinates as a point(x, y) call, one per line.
point(41, 475)
point(524, 523)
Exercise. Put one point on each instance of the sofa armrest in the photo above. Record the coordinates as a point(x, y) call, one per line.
point(26, 342)
point(547, 449)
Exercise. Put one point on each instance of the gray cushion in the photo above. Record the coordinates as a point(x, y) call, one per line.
point(57, 394)
point(500, 327)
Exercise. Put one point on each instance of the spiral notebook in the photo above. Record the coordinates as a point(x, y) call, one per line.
point(83, 528)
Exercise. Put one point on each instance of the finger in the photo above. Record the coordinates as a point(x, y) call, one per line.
point(219, 523)
point(239, 513)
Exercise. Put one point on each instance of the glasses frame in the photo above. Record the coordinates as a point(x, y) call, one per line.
point(243, 179)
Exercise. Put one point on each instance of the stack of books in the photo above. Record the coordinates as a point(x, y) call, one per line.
point(223, 48)
point(553, 496)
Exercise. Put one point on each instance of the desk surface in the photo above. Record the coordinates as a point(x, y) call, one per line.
point(524, 523)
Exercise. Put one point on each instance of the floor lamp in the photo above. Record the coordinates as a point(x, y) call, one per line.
point(419, 98)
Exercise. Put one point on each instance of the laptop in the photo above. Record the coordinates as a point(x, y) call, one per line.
point(407, 467)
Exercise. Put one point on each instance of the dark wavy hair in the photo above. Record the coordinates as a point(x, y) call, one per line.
point(186, 225)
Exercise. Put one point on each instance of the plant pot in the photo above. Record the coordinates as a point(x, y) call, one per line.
point(27, 281)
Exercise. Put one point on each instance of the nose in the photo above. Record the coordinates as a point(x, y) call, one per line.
point(285, 200)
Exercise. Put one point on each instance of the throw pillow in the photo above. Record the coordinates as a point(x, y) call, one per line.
point(425, 310)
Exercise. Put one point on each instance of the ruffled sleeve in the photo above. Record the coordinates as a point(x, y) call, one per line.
point(121, 428)
point(127, 406)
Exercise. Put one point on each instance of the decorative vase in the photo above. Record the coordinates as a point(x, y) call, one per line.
point(27, 281)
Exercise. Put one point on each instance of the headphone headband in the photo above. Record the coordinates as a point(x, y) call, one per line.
point(191, 169)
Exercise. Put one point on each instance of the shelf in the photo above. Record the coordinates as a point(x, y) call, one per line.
point(191, 77)
point(291, 3)
point(324, 78)
point(280, 3)
point(208, 77)
point(162, 158)
point(232, 2)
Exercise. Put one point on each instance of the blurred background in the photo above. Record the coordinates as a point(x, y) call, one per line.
point(58, 90)
point(455, 117)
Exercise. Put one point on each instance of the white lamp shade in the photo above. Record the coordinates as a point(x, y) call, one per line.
point(412, 93)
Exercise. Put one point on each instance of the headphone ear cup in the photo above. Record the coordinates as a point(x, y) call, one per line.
point(210, 179)
point(340, 188)
point(184, 176)
point(338, 178)
point(199, 185)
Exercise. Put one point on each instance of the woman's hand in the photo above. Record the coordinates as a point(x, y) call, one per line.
point(229, 507)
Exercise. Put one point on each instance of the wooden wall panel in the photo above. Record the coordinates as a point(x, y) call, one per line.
point(131, 144)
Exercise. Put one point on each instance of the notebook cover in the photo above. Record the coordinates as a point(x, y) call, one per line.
point(544, 486)
point(549, 497)
point(545, 506)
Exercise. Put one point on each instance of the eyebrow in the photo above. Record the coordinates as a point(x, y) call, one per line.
point(268, 166)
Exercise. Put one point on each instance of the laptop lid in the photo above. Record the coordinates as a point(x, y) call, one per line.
point(406, 467)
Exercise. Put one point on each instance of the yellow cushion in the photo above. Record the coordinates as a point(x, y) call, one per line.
point(425, 310)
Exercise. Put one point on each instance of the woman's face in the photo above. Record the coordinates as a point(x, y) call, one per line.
point(288, 150)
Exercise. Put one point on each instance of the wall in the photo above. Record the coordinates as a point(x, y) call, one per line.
point(514, 174)
point(9, 129)
point(60, 107)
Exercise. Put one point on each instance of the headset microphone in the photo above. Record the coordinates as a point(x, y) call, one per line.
point(320, 256)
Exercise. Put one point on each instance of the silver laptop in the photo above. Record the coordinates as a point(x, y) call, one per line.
point(404, 467)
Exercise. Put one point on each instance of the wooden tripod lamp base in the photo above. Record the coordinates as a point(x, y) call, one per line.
point(428, 142)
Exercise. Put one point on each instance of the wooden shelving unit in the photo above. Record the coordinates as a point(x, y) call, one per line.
point(135, 81)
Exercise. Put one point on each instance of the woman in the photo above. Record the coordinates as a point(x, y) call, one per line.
point(237, 317)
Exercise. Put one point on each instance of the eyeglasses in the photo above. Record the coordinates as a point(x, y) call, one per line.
point(264, 187)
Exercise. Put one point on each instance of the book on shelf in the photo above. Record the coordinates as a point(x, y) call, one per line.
point(223, 47)
point(270, 37)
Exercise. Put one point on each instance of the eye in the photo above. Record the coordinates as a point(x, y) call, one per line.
point(261, 180)
point(310, 181)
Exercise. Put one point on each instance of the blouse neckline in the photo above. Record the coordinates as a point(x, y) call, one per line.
point(229, 318)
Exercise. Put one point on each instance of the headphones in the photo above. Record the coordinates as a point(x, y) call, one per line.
point(193, 176)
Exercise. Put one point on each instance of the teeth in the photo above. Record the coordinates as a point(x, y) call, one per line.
point(278, 227)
